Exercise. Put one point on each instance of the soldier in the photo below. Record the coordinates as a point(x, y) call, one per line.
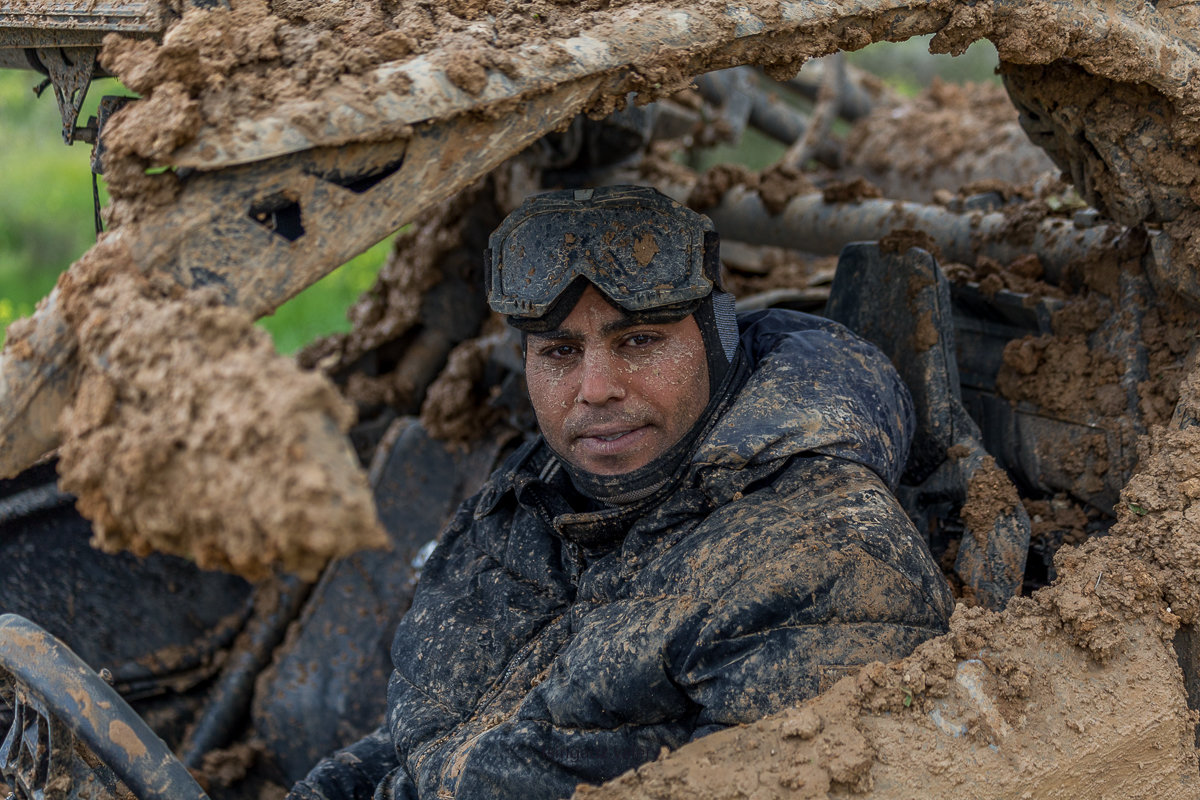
point(704, 533)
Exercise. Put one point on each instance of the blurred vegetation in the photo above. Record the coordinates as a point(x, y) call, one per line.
point(906, 67)
point(321, 308)
point(46, 209)
point(47, 218)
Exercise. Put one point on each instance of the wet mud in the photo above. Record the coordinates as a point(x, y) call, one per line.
point(182, 411)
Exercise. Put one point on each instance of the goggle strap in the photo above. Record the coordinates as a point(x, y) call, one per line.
point(712, 259)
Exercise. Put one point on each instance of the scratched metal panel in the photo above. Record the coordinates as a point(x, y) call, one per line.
point(69, 24)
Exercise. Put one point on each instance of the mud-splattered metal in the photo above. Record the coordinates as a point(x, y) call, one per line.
point(57, 702)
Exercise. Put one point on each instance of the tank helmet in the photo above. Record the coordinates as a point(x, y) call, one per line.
point(652, 257)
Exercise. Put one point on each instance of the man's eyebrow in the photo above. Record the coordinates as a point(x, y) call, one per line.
point(557, 333)
point(607, 329)
point(617, 325)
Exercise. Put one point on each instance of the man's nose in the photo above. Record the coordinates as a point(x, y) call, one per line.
point(602, 379)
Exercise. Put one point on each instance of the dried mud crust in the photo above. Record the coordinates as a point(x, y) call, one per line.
point(427, 299)
point(1075, 374)
point(990, 495)
point(215, 66)
point(1075, 691)
point(1127, 149)
point(948, 137)
point(189, 435)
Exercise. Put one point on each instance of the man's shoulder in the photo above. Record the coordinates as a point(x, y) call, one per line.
point(814, 387)
point(818, 522)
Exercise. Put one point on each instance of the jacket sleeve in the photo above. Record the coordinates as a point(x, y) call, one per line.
point(805, 581)
point(351, 773)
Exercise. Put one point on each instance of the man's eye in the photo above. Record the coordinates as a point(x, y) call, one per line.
point(559, 351)
point(641, 339)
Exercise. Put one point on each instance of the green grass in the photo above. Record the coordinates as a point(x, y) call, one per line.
point(46, 212)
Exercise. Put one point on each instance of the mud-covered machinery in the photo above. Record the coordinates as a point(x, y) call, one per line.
point(260, 203)
point(306, 182)
point(62, 42)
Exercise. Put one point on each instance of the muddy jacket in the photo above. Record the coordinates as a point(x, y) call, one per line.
point(545, 649)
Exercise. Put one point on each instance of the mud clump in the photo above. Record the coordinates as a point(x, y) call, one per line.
point(900, 240)
point(1061, 375)
point(1023, 275)
point(990, 495)
point(948, 137)
point(775, 186)
point(456, 407)
point(189, 435)
point(225, 767)
point(851, 191)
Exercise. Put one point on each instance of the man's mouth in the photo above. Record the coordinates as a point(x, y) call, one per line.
point(604, 440)
point(609, 433)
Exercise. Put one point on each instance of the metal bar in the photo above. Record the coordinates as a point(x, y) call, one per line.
point(417, 90)
point(735, 91)
point(31, 501)
point(231, 698)
point(48, 671)
point(84, 15)
point(824, 113)
point(854, 102)
point(810, 224)
point(35, 383)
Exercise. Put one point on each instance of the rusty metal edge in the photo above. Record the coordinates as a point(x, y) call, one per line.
point(92, 710)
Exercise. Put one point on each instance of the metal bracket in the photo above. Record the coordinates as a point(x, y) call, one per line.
point(70, 76)
point(37, 750)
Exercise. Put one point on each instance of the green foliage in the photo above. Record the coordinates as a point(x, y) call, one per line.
point(46, 211)
point(908, 66)
point(321, 308)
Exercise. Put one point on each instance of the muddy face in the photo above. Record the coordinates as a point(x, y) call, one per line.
point(610, 394)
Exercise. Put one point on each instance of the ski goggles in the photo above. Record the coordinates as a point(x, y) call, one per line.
point(637, 246)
